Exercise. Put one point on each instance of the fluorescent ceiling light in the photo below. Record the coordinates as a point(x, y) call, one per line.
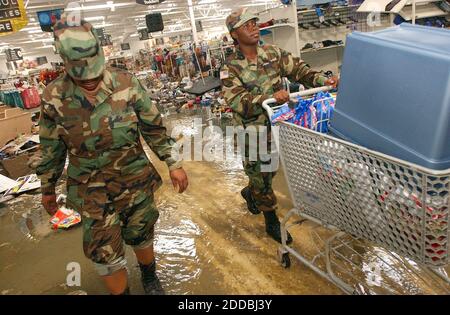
point(99, 7)
point(177, 31)
point(111, 4)
point(260, 4)
point(103, 25)
point(34, 41)
point(202, 2)
point(30, 28)
point(211, 18)
point(171, 13)
point(94, 18)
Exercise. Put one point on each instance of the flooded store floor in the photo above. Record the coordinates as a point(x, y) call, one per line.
point(207, 242)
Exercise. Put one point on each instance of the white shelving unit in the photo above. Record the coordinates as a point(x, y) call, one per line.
point(290, 37)
point(410, 10)
point(283, 35)
point(330, 58)
point(278, 26)
point(422, 11)
point(312, 50)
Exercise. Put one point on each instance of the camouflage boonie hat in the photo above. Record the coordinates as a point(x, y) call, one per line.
point(80, 49)
point(238, 18)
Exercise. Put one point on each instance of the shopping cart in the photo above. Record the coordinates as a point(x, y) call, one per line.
point(360, 194)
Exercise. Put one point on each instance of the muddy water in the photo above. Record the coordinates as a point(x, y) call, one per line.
point(206, 243)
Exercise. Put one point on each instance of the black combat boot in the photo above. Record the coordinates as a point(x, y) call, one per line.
point(150, 281)
point(273, 227)
point(251, 204)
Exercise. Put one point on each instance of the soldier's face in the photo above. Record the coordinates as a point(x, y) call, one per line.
point(247, 34)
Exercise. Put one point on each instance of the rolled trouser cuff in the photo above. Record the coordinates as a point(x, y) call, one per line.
point(144, 245)
point(110, 269)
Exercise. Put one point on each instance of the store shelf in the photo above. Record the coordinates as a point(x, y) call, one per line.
point(322, 27)
point(404, 7)
point(422, 1)
point(333, 8)
point(422, 11)
point(346, 15)
point(277, 26)
point(320, 49)
point(34, 110)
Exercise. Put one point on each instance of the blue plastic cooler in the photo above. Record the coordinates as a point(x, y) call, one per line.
point(394, 95)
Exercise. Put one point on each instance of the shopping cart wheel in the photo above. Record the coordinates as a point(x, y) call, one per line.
point(284, 258)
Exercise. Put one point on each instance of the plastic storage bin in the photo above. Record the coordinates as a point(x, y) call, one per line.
point(394, 95)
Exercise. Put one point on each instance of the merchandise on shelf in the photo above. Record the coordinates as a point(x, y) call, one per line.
point(31, 98)
point(11, 98)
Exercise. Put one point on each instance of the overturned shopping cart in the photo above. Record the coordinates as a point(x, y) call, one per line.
point(362, 195)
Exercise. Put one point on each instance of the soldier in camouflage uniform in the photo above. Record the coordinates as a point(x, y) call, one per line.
point(250, 76)
point(96, 115)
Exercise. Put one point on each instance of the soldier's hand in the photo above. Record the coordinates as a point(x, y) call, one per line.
point(179, 179)
point(281, 96)
point(334, 82)
point(49, 203)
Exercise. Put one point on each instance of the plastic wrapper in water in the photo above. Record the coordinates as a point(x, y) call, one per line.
point(65, 218)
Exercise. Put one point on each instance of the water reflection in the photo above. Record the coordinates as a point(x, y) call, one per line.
point(375, 270)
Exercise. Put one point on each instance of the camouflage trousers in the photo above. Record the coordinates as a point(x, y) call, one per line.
point(260, 179)
point(114, 213)
point(260, 184)
point(103, 240)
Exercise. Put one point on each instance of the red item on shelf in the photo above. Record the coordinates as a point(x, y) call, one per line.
point(31, 98)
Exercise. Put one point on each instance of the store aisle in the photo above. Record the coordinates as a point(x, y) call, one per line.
point(206, 242)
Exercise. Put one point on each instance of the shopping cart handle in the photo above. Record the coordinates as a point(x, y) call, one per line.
point(270, 110)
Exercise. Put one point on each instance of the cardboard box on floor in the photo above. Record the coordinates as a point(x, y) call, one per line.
point(17, 166)
point(13, 122)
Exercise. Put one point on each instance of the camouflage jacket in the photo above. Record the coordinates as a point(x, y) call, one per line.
point(103, 137)
point(247, 85)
